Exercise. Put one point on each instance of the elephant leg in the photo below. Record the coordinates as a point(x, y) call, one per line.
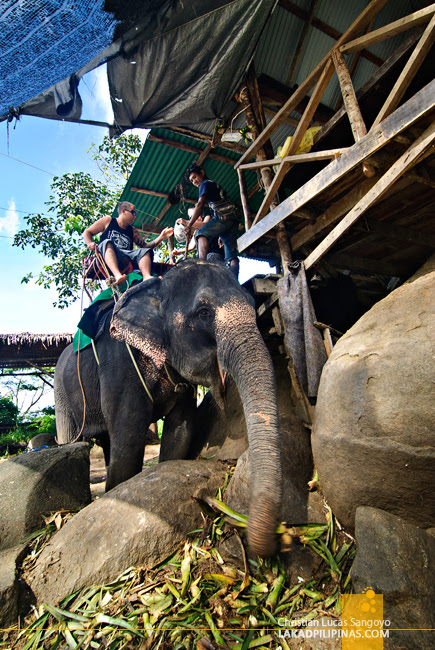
point(104, 442)
point(178, 429)
point(127, 426)
point(126, 458)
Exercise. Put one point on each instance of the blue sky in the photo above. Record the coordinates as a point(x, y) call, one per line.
point(55, 148)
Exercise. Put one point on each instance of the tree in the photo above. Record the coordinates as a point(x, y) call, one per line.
point(8, 413)
point(23, 391)
point(75, 202)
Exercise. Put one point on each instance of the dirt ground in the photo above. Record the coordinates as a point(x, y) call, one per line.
point(98, 468)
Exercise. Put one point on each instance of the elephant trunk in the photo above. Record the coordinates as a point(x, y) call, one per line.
point(244, 355)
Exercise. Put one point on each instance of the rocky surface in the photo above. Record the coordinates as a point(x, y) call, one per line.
point(9, 584)
point(374, 434)
point(36, 483)
point(138, 523)
point(397, 560)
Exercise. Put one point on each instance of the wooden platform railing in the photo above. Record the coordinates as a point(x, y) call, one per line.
point(318, 81)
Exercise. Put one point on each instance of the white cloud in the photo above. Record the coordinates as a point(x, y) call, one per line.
point(9, 223)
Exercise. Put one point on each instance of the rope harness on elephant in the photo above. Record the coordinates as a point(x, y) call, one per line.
point(116, 295)
point(179, 387)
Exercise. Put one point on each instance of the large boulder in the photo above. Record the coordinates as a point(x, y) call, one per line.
point(138, 523)
point(10, 559)
point(39, 482)
point(397, 560)
point(374, 432)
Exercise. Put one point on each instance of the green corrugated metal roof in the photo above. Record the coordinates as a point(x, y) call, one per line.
point(160, 168)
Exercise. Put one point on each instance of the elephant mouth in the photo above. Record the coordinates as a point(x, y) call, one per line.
point(223, 376)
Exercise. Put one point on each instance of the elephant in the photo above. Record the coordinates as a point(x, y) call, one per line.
point(196, 324)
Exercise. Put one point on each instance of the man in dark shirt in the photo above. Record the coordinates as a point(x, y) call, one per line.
point(224, 222)
point(116, 242)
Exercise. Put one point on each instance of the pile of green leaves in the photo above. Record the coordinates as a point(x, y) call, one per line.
point(196, 600)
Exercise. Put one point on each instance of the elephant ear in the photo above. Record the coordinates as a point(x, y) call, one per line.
point(93, 320)
point(137, 319)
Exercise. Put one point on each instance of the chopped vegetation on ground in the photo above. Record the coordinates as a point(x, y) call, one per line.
point(195, 599)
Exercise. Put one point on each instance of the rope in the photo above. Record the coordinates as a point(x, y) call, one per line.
point(84, 400)
point(139, 373)
point(116, 294)
point(95, 351)
point(181, 387)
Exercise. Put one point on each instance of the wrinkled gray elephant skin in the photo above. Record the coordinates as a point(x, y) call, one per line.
point(198, 322)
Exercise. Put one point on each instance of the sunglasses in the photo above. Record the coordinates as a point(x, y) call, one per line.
point(132, 212)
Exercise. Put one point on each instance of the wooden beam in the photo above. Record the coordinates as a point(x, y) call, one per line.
point(392, 231)
point(244, 197)
point(398, 26)
point(161, 214)
point(189, 148)
point(267, 304)
point(351, 105)
point(203, 137)
point(273, 91)
point(408, 159)
point(412, 110)
point(325, 28)
point(272, 190)
point(371, 10)
point(203, 155)
point(150, 229)
point(335, 212)
point(163, 195)
point(423, 174)
point(367, 88)
point(408, 72)
point(288, 120)
point(349, 98)
point(353, 66)
point(285, 165)
point(254, 117)
point(366, 265)
point(297, 158)
point(301, 42)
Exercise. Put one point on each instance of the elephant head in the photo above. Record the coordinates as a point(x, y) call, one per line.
point(199, 320)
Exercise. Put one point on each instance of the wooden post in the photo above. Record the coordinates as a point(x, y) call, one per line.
point(408, 159)
point(266, 175)
point(350, 101)
point(363, 19)
point(301, 43)
point(408, 73)
point(349, 98)
point(244, 196)
point(314, 101)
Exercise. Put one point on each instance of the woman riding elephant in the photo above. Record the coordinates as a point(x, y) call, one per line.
point(196, 324)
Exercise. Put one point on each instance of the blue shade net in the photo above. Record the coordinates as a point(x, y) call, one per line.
point(42, 42)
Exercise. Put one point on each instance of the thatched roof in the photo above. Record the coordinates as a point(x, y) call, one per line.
point(25, 349)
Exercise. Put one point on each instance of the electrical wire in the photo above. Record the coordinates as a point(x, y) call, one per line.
point(28, 164)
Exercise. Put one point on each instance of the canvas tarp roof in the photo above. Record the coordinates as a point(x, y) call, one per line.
point(178, 64)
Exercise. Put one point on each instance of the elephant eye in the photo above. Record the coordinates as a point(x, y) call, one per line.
point(203, 312)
